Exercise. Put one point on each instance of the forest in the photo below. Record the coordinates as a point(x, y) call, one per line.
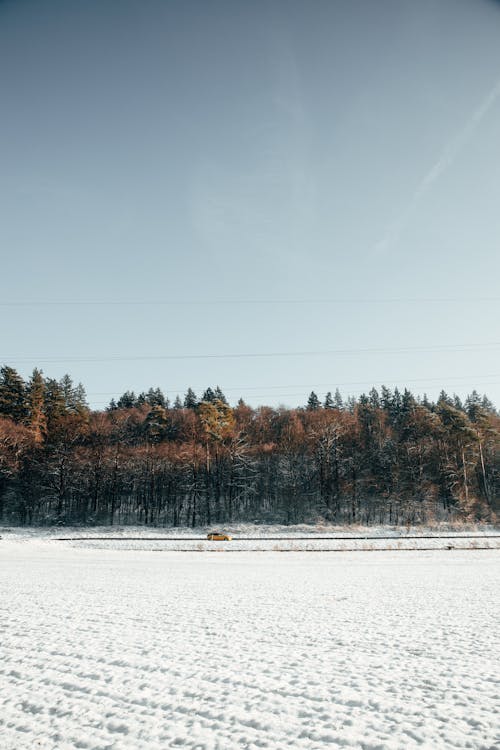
point(384, 457)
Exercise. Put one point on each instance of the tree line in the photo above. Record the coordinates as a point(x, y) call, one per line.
point(385, 457)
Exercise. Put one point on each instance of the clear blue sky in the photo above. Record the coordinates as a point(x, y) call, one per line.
point(197, 153)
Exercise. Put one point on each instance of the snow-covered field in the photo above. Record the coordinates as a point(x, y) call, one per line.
point(266, 538)
point(132, 649)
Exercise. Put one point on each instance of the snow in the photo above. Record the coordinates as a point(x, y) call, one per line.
point(265, 538)
point(113, 649)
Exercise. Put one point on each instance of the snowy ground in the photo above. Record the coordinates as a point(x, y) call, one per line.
point(265, 538)
point(135, 650)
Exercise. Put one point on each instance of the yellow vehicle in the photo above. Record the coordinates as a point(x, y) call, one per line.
point(218, 537)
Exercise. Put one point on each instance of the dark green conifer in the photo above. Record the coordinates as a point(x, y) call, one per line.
point(156, 424)
point(155, 397)
point(190, 400)
point(209, 396)
point(313, 402)
point(35, 400)
point(328, 404)
point(219, 396)
point(386, 398)
point(54, 403)
point(127, 400)
point(12, 395)
point(337, 400)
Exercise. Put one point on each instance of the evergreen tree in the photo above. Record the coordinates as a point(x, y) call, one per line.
point(443, 398)
point(74, 396)
point(156, 424)
point(386, 399)
point(66, 386)
point(473, 406)
point(12, 395)
point(374, 398)
point(78, 403)
point(155, 397)
point(426, 402)
point(329, 403)
point(209, 396)
point(178, 402)
point(35, 399)
point(219, 395)
point(54, 403)
point(127, 400)
point(404, 418)
point(488, 405)
point(190, 400)
point(112, 405)
point(337, 400)
point(396, 403)
point(313, 402)
point(407, 401)
point(350, 404)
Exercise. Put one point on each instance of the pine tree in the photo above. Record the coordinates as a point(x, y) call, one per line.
point(78, 403)
point(219, 395)
point(426, 402)
point(386, 398)
point(155, 397)
point(488, 405)
point(178, 402)
point(54, 403)
point(337, 400)
point(395, 408)
point(12, 395)
point(374, 398)
point(74, 396)
point(66, 386)
point(313, 402)
point(443, 398)
point(35, 399)
point(127, 400)
point(209, 396)
point(190, 400)
point(350, 404)
point(156, 424)
point(328, 404)
point(473, 406)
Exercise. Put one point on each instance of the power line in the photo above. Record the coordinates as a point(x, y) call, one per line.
point(269, 301)
point(453, 379)
point(157, 357)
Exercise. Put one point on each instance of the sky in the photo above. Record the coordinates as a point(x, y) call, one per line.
point(316, 184)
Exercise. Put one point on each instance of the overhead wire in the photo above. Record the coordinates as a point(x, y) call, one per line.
point(242, 355)
point(248, 301)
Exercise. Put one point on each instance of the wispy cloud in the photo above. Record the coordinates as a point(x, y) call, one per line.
point(448, 155)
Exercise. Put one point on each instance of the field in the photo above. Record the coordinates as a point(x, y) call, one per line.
point(108, 648)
